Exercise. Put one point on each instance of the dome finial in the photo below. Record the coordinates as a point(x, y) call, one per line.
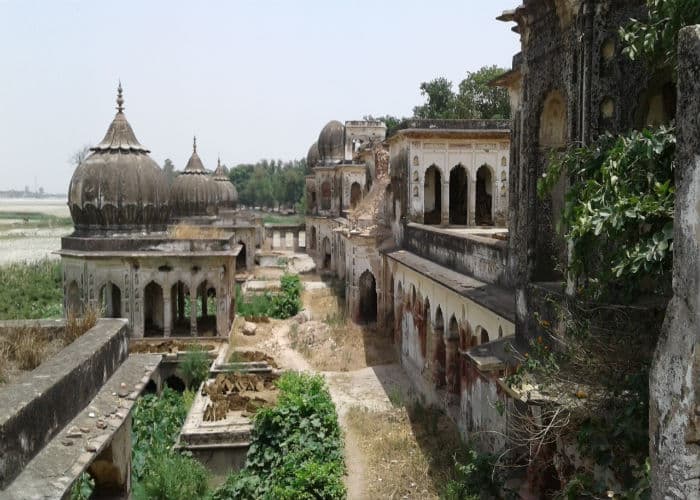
point(120, 98)
point(218, 161)
point(194, 144)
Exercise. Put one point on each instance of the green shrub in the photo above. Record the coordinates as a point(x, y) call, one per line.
point(473, 479)
point(174, 476)
point(296, 449)
point(195, 367)
point(282, 305)
point(31, 290)
point(158, 471)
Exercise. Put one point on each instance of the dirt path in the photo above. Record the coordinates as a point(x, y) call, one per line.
point(367, 388)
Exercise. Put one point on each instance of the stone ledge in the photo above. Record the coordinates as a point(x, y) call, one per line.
point(55, 468)
point(40, 403)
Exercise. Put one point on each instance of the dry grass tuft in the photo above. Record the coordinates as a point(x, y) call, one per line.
point(78, 325)
point(188, 232)
point(410, 454)
point(25, 347)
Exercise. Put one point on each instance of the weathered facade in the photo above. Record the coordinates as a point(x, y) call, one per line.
point(128, 259)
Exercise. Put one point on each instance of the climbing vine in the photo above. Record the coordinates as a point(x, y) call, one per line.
point(618, 215)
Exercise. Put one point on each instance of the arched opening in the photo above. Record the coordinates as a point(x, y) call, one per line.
point(500, 332)
point(175, 383)
point(458, 195)
point(432, 196)
point(390, 302)
point(483, 334)
point(355, 194)
point(484, 196)
point(312, 236)
point(327, 253)
point(552, 136)
point(326, 196)
point(368, 298)
point(111, 301)
point(179, 294)
point(312, 200)
point(151, 387)
point(206, 310)
point(73, 303)
point(241, 258)
point(153, 310)
point(439, 349)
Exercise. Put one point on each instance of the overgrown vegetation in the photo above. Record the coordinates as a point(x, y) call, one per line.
point(32, 220)
point(281, 305)
point(270, 183)
point(158, 471)
point(655, 39)
point(618, 217)
point(31, 290)
point(195, 367)
point(296, 450)
point(25, 348)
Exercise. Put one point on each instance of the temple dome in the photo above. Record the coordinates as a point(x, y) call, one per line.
point(118, 187)
point(228, 195)
point(193, 192)
point(312, 157)
point(331, 143)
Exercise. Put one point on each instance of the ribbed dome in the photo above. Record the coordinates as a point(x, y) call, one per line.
point(193, 192)
point(228, 196)
point(331, 143)
point(312, 157)
point(118, 187)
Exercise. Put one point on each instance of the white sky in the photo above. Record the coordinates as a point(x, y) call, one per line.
point(253, 79)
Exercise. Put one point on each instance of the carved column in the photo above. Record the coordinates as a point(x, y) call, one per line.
point(445, 208)
point(193, 311)
point(471, 201)
point(167, 311)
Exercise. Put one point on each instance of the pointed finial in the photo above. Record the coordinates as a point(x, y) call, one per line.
point(218, 161)
point(120, 98)
point(194, 144)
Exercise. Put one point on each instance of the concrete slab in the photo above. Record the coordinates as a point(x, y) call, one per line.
point(54, 469)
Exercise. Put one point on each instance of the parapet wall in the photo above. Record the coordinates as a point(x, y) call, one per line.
point(480, 257)
point(36, 407)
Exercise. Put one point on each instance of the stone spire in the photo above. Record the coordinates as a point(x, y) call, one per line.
point(120, 98)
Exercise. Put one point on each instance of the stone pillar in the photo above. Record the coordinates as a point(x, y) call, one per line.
point(438, 366)
point(674, 385)
point(445, 208)
point(167, 312)
point(471, 201)
point(452, 364)
point(193, 311)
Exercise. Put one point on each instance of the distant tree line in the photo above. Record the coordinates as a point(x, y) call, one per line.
point(270, 183)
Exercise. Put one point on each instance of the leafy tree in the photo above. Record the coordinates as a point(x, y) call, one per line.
point(169, 170)
point(656, 38)
point(477, 100)
point(440, 99)
point(270, 183)
point(392, 123)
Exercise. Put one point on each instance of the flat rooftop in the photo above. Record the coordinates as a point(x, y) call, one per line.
point(499, 300)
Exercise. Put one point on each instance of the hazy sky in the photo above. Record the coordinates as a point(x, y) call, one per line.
point(252, 79)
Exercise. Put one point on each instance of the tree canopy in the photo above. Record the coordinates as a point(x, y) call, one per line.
point(270, 183)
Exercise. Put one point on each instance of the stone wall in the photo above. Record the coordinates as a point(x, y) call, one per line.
point(482, 257)
point(675, 376)
point(41, 403)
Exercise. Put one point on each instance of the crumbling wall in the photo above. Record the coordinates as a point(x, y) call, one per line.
point(674, 416)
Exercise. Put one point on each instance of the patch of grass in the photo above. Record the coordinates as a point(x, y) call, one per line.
point(77, 325)
point(32, 220)
point(406, 459)
point(195, 367)
point(283, 219)
point(31, 290)
point(281, 305)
